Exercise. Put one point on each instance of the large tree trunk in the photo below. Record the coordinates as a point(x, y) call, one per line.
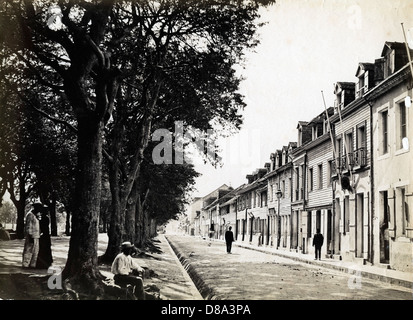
point(81, 266)
point(130, 223)
point(20, 220)
point(117, 217)
point(67, 224)
point(139, 222)
point(53, 220)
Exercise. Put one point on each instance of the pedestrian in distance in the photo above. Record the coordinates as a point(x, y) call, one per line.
point(32, 235)
point(4, 234)
point(44, 258)
point(229, 239)
point(318, 243)
point(124, 269)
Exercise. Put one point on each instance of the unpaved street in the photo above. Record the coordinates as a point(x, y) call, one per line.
point(253, 275)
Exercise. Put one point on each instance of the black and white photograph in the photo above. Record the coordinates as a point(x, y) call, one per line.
point(201, 158)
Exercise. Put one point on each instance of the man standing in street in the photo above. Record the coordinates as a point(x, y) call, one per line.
point(318, 243)
point(229, 239)
point(32, 232)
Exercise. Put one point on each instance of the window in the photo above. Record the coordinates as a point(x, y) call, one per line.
point(271, 193)
point(384, 139)
point(302, 173)
point(309, 221)
point(297, 182)
point(346, 213)
point(320, 176)
point(263, 199)
point(361, 85)
point(361, 136)
point(329, 172)
point(339, 146)
point(389, 63)
point(349, 142)
point(310, 179)
point(318, 220)
point(291, 187)
point(361, 151)
point(401, 125)
point(402, 211)
point(283, 188)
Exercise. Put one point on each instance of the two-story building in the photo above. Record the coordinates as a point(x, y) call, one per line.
point(194, 213)
point(252, 209)
point(210, 221)
point(392, 136)
point(279, 186)
point(299, 185)
point(318, 210)
point(351, 166)
point(228, 211)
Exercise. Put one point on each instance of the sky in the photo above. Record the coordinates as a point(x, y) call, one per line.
point(305, 48)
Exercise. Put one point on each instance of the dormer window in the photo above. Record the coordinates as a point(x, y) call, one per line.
point(395, 57)
point(362, 84)
point(304, 133)
point(344, 92)
point(389, 63)
point(364, 74)
point(339, 100)
point(317, 130)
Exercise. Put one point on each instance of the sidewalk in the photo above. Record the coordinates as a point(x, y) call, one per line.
point(404, 279)
point(170, 277)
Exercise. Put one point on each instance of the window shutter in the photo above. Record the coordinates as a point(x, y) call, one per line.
point(391, 205)
point(366, 81)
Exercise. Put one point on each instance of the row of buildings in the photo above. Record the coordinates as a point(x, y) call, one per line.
point(349, 174)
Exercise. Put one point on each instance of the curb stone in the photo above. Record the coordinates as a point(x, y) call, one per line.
point(206, 291)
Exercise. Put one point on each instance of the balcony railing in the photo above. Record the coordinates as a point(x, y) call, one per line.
point(360, 157)
point(357, 158)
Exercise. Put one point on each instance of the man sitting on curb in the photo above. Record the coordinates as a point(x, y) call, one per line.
point(124, 269)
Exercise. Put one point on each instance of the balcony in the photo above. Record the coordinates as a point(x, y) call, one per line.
point(360, 157)
point(355, 159)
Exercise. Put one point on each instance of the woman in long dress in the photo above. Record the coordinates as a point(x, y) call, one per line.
point(44, 258)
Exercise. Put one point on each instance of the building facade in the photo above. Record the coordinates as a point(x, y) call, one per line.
point(392, 136)
point(349, 174)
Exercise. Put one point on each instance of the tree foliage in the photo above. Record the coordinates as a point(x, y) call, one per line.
point(111, 72)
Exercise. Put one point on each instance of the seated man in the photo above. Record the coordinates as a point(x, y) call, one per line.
point(123, 267)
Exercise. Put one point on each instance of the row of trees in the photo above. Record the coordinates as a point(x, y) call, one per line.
point(83, 86)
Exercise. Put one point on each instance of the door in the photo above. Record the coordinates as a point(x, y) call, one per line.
point(384, 228)
point(359, 225)
point(330, 228)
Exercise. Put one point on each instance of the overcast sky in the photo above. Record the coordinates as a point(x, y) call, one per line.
point(306, 47)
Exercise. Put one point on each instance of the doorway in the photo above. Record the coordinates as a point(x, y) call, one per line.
point(384, 228)
point(329, 235)
point(359, 224)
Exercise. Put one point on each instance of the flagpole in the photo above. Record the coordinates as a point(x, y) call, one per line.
point(345, 145)
point(331, 135)
point(408, 51)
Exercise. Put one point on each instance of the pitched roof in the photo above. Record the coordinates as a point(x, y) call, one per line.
point(364, 66)
point(392, 45)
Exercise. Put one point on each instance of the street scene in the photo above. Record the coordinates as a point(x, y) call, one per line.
point(206, 150)
point(248, 274)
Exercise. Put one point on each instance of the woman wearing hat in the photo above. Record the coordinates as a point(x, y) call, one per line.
point(123, 267)
point(44, 258)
